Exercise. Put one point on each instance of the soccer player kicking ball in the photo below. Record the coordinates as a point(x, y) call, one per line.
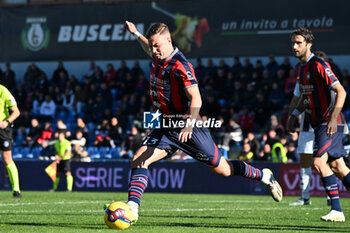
point(322, 98)
point(174, 91)
point(8, 113)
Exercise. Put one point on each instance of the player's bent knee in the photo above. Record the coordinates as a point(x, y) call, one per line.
point(221, 172)
point(318, 165)
point(223, 169)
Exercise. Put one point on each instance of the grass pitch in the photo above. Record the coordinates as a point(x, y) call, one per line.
point(163, 212)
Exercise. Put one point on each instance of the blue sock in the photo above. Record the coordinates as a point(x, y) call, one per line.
point(241, 168)
point(346, 182)
point(138, 184)
point(331, 187)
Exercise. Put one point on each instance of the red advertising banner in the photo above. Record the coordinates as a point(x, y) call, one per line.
point(289, 178)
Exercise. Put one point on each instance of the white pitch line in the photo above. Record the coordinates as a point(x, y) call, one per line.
point(160, 210)
point(234, 201)
point(108, 201)
point(53, 203)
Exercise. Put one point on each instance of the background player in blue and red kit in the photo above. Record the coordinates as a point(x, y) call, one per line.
point(174, 90)
point(322, 97)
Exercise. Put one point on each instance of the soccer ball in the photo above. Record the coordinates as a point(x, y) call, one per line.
point(118, 215)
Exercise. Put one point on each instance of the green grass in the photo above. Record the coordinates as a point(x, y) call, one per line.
point(83, 212)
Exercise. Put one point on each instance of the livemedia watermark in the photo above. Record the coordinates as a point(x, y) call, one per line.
point(157, 120)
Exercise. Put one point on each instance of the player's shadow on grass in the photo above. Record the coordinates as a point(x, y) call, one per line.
point(254, 227)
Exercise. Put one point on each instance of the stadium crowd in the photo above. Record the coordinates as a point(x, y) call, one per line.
point(101, 112)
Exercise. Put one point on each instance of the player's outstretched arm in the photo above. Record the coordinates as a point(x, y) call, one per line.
point(140, 38)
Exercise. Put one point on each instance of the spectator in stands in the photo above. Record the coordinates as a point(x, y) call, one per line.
point(266, 78)
point(272, 66)
point(20, 95)
point(42, 84)
point(62, 81)
point(237, 94)
point(292, 155)
point(246, 120)
point(89, 111)
point(8, 78)
point(91, 70)
point(33, 134)
point(246, 154)
point(56, 74)
point(79, 99)
point(47, 109)
point(276, 97)
point(212, 107)
point(99, 108)
point(248, 67)
point(136, 70)
point(236, 67)
point(115, 133)
point(276, 126)
point(262, 109)
point(211, 70)
point(122, 71)
point(106, 95)
point(37, 99)
point(122, 118)
point(57, 96)
point(107, 114)
point(200, 71)
point(129, 82)
point(109, 75)
point(131, 143)
point(278, 153)
point(78, 151)
point(93, 91)
point(68, 101)
point(249, 95)
point(81, 126)
point(30, 77)
point(97, 76)
point(101, 134)
point(235, 132)
point(72, 82)
point(46, 141)
point(259, 69)
point(254, 144)
point(223, 66)
point(285, 66)
point(141, 85)
point(23, 124)
point(280, 79)
point(46, 134)
point(62, 127)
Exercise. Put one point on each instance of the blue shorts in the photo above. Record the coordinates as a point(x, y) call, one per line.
point(200, 147)
point(333, 145)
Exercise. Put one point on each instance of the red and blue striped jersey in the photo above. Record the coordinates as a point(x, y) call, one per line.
point(168, 80)
point(316, 80)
